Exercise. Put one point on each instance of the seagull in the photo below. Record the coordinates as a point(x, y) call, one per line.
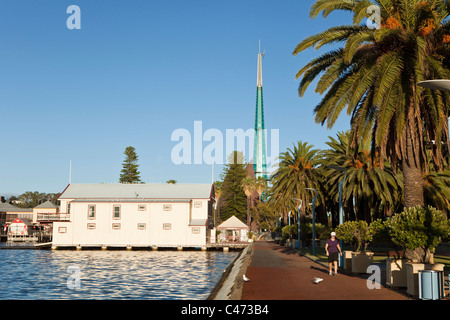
point(317, 280)
point(245, 278)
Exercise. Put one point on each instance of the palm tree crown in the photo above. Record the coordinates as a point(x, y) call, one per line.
point(374, 77)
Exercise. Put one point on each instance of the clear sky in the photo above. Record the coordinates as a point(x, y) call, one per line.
point(136, 71)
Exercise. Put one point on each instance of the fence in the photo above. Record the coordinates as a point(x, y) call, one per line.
point(41, 217)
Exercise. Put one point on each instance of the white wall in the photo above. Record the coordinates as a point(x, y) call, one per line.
point(154, 217)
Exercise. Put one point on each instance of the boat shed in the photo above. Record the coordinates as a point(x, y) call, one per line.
point(233, 230)
point(135, 215)
point(18, 228)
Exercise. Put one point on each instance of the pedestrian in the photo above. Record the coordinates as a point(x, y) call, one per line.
point(332, 248)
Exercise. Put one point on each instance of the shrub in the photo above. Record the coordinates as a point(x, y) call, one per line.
point(419, 228)
point(289, 232)
point(380, 231)
point(323, 232)
point(355, 233)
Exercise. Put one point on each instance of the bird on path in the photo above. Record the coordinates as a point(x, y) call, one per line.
point(317, 280)
point(245, 278)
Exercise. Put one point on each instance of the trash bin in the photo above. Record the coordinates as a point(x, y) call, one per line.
point(431, 285)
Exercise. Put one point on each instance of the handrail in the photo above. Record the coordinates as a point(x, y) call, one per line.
point(53, 217)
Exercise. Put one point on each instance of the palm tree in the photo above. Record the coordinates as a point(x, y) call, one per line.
point(374, 187)
point(249, 187)
point(298, 170)
point(375, 75)
point(261, 186)
point(217, 196)
point(437, 190)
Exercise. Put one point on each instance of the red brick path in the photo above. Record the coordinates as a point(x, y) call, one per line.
point(280, 273)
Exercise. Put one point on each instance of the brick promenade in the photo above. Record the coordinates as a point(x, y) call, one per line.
point(280, 273)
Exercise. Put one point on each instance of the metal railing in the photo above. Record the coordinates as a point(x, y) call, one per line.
point(53, 217)
point(31, 236)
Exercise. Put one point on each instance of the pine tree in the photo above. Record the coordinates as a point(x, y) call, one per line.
point(130, 173)
point(234, 199)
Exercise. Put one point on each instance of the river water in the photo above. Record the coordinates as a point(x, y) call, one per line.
point(161, 275)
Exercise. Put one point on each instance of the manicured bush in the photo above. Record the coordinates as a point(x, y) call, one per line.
point(289, 232)
point(355, 233)
point(419, 228)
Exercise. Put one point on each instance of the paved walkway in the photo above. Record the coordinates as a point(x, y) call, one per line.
point(280, 273)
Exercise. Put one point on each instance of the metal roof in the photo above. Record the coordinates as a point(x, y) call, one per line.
point(137, 191)
point(6, 207)
point(47, 205)
point(232, 223)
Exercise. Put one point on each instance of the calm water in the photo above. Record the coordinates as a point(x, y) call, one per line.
point(46, 274)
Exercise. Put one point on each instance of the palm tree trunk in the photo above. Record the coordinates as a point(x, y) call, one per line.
point(248, 214)
point(412, 171)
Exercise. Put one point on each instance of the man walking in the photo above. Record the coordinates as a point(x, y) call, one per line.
point(332, 248)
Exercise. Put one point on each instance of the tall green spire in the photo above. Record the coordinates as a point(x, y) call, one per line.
point(259, 150)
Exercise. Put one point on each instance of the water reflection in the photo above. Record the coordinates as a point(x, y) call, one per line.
point(42, 274)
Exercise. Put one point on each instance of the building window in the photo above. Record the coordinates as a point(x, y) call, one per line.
point(141, 226)
point(167, 207)
point(91, 226)
point(116, 226)
point(116, 212)
point(196, 230)
point(167, 226)
point(62, 229)
point(68, 207)
point(91, 212)
point(142, 207)
point(197, 204)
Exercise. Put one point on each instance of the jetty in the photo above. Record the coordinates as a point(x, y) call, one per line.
point(225, 247)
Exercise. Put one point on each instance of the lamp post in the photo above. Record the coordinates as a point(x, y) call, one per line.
point(341, 207)
point(316, 192)
point(298, 221)
point(341, 185)
point(443, 85)
point(279, 225)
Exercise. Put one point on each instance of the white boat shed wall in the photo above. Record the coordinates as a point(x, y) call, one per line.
point(161, 215)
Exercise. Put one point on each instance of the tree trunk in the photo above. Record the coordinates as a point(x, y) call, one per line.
point(412, 172)
point(248, 214)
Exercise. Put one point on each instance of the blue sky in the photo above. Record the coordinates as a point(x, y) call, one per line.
point(135, 72)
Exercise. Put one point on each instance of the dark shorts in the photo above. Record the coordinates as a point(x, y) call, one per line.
point(333, 256)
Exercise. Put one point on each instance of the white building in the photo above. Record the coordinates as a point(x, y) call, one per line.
point(136, 215)
point(233, 230)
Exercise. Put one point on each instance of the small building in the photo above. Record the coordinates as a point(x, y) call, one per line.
point(9, 213)
point(233, 230)
point(141, 215)
point(46, 212)
point(18, 228)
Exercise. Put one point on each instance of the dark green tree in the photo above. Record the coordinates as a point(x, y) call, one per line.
point(234, 198)
point(130, 173)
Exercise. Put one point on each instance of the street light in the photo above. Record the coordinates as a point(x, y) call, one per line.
point(341, 207)
point(279, 231)
point(298, 221)
point(341, 185)
point(316, 192)
point(443, 85)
